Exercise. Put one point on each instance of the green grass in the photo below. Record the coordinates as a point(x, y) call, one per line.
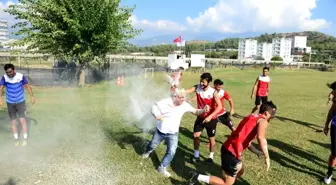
point(84, 136)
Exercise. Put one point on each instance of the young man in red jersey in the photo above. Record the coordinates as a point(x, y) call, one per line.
point(261, 89)
point(224, 116)
point(251, 127)
point(206, 96)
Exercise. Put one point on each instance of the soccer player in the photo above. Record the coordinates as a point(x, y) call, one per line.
point(15, 98)
point(176, 79)
point(252, 126)
point(169, 112)
point(261, 89)
point(224, 116)
point(206, 96)
point(331, 94)
point(332, 158)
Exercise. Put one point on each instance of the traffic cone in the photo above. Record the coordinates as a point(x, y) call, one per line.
point(122, 80)
point(118, 81)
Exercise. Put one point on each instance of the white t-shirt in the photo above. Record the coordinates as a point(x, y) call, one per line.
point(171, 115)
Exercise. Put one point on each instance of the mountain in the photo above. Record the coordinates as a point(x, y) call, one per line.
point(168, 39)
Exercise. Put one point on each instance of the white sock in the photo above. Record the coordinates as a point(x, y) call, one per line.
point(16, 136)
point(196, 153)
point(25, 136)
point(204, 178)
point(211, 155)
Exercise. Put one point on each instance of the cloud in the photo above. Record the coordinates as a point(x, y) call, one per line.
point(160, 25)
point(258, 15)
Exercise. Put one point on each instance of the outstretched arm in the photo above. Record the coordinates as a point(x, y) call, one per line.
point(254, 89)
point(191, 90)
point(262, 126)
point(331, 112)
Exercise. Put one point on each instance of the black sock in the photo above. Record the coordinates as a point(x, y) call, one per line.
point(330, 170)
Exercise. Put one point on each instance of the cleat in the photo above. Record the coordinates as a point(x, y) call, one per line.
point(24, 143)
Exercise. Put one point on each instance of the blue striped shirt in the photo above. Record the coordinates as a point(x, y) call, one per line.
point(14, 87)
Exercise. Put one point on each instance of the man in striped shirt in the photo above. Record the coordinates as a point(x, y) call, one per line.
point(15, 98)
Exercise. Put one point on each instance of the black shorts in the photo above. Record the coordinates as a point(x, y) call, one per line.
point(333, 140)
point(229, 162)
point(16, 108)
point(259, 99)
point(210, 127)
point(225, 119)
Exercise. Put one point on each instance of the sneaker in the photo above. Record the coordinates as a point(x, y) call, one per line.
point(327, 179)
point(194, 159)
point(24, 142)
point(193, 178)
point(164, 171)
point(209, 161)
point(17, 142)
point(145, 155)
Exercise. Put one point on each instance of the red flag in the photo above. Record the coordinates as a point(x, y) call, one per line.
point(178, 39)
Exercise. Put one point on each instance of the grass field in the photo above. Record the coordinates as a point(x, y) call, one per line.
point(84, 135)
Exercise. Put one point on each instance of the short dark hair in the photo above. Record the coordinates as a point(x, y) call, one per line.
point(332, 86)
point(181, 68)
point(268, 106)
point(218, 82)
point(207, 77)
point(9, 66)
point(266, 68)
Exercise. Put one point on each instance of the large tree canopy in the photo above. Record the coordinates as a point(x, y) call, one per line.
point(81, 29)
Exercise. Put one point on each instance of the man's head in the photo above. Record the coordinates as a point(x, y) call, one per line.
point(179, 96)
point(332, 86)
point(205, 80)
point(10, 70)
point(265, 71)
point(218, 84)
point(268, 109)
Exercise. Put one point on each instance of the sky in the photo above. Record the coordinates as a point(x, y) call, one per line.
point(176, 17)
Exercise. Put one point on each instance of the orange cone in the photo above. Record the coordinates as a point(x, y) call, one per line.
point(122, 81)
point(118, 81)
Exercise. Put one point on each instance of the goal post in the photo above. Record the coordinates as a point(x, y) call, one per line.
point(147, 73)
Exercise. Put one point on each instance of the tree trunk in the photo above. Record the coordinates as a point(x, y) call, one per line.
point(81, 81)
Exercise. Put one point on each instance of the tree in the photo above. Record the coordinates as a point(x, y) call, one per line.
point(80, 29)
point(276, 58)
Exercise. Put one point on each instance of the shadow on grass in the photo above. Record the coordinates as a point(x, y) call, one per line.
point(306, 124)
point(284, 119)
point(11, 181)
point(324, 145)
point(293, 164)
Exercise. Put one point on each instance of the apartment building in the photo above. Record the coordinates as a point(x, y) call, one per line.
point(282, 47)
point(247, 48)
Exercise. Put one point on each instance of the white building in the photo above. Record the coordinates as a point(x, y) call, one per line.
point(3, 31)
point(265, 51)
point(299, 45)
point(282, 47)
point(247, 48)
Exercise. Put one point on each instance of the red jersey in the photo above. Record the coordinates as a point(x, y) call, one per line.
point(263, 85)
point(244, 134)
point(223, 95)
point(205, 98)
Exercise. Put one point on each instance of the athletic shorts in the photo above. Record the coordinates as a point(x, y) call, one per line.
point(259, 99)
point(333, 140)
point(210, 127)
point(225, 119)
point(16, 108)
point(229, 162)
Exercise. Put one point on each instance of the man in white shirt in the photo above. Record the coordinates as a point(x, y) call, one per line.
point(169, 113)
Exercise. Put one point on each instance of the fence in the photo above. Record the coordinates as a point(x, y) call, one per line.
point(68, 76)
